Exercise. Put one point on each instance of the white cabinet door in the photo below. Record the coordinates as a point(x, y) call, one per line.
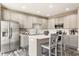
point(67, 40)
point(51, 23)
point(23, 19)
point(18, 17)
point(57, 20)
point(67, 22)
point(70, 21)
point(71, 41)
point(7, 15)
point(36, 20)
point(44, 24)
point(61, 20)
point(73, 21)
point(39, 20)
point(74, 41)
point(29, 21)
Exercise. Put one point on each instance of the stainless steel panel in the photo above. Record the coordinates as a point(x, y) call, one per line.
point(14, 36)
point(9, 36)
point(4, 36)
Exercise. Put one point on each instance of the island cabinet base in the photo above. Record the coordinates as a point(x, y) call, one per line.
point(35, 44)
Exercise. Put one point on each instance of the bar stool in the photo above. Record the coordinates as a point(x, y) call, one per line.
point(60, 45)
point(56, 44)
point(52, 44)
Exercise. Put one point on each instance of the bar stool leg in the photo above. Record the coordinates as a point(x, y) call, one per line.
point(61, 50)
point(56, 50)
point(50, 52)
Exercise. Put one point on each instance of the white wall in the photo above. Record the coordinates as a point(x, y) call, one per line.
point(78, 28)
point(0, 11)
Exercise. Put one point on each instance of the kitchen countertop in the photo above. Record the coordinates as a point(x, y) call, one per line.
point(38, 36)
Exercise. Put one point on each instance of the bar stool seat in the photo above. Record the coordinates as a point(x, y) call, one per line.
point(46, 45)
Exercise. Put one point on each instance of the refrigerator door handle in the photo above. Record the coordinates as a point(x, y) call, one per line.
point(10, 33)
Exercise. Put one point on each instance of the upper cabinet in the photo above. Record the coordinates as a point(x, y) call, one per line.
point(51, 23)
point(25, 21)
point(73, 22)
point(29, 22)
point(54, 21)
point(36, 20)
point(66, 22)
point(70, 21)
point(44, 23)
point(59, 20)
point(6, 15)
point(21, 18)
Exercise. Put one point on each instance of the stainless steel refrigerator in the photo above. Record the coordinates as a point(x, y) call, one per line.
point(9, 36)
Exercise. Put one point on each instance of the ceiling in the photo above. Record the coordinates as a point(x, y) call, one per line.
point(42, 9)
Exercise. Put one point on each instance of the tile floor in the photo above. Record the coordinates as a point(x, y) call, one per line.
point(24, 52)
point(20, 52)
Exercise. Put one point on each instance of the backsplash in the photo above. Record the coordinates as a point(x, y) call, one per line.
point(67, 31)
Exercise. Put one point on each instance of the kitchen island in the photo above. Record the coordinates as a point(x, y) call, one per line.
point(35, 42)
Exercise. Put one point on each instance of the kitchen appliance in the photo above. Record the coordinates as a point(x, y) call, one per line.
point(9, 36)
point(59, 26)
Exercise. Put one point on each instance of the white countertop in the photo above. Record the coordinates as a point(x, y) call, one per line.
point(38, 36)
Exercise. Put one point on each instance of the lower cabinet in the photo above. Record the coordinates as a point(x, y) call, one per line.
point(71, 41)
point(66, 40)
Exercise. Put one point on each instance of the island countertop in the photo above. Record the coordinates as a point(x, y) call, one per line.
point(38, 36)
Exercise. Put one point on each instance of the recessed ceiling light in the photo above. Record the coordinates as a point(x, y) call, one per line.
point(48, 14)
point(32, 10)
point(50, 6)
point(67, 9)
point(24, 7)
point(38, 11)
